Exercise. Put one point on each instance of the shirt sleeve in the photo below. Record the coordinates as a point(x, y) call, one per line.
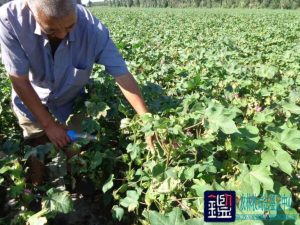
point(107, 53)
point(13, 56)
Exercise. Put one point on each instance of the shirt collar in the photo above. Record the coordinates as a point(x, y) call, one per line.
point(37, 29)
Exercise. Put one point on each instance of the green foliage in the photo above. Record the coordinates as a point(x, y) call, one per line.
point(174, 217)
point(9, 127)
point(225, 107)
point(131, 200)
point(55, 201)
point(58, 201)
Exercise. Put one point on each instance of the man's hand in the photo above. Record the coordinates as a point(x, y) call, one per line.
point(150, 142)
point(55, 131)
point(57, 134)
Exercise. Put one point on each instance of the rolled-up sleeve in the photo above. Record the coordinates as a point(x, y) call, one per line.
point(13, 56)
point(107, 53)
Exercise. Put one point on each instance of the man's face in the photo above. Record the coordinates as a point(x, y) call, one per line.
point(54, 28)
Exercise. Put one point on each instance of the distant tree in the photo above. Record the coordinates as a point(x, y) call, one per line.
point(265, 3)
point(166, 3)
point(296, 4)
point(129, 3)
point(253, 4)
point(219, 2)
point(244, 3)
point(197, 3)
point(286, 4)
point(274, 4)
point(137, 3)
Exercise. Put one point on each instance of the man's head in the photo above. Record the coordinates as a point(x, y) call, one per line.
point(55, 17)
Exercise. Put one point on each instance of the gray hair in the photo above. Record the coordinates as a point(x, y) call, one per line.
point(53, 8)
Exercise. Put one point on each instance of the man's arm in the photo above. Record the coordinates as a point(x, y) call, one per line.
point(56, 132)
point(17, 65)
point(132, 93)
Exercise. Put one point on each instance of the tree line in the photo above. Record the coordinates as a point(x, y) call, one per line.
point(274, 4)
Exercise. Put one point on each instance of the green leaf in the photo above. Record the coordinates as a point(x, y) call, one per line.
point(195, 221)
point(133, 150)
point(251, 181)
point(117, 212)
point(156, 218)
point(262, 174)
point(16, 190)
point(247, 222)
point(266, 71)
point(292, 107)
point(96, 160)
point(38, 221)
point(158, 169)
point(265, 116)
point(38, 218)
point(247, 138)
point(131, 200)
point(96, 109)
point(90, 126)
point(58, 201)
point(272, 144)
point(10, 147)
point(58, 165)
point(4, 169)
point(189, 173)
point(279, 158)
point(108, 184)
point(175, 217)
point(168, 185)
point(125, 123)
point(284, 161)
point(219, 117)
point(268, 158)
point(40, 151)
point(177, 129)
point(200, 187)
point(228, 126)
point(205, 139)
point(291, 138)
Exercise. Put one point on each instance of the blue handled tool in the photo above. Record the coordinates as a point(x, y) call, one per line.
point(74, 136)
